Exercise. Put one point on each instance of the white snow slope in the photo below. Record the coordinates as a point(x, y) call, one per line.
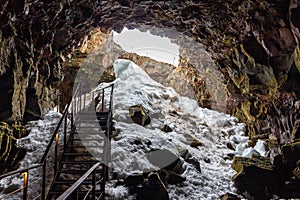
point(213, 129)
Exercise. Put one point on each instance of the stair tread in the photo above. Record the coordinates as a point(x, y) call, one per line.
point(91, 115)
point(102, 127)
point(77, 154)
point(78, 139)
point(65, 182)
point(92, 112)
point(89, 133)
point(76, 171)
point(59, 192)
point(85, 146)
point(79, 162)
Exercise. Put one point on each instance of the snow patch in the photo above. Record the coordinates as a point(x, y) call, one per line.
point(132, 143)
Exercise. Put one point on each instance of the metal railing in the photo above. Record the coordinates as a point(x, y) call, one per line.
point(73, 190)
point(43, 162)
point(25, 173)
point(69, 112)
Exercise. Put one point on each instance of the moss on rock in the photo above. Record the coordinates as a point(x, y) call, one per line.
point(256, 177)
point(10, 152)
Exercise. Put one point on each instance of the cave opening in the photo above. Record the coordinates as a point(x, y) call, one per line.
point(169, 57)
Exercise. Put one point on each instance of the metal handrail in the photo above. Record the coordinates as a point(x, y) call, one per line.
point(25, 171)
point(54, 133)
point(20, 171)
point(106, 155)
point(75, 186)
point(43, 161)
point(58, 126)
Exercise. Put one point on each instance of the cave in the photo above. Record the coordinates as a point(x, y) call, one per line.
point(238, 58)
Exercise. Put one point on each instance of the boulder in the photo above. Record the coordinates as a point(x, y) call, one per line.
point(196, 143)
point(296, 130)
point(11, 188)
point(195, 163)
point(166, 128)
point(139, 115)
point(19, 131)
point(134, 180)
point(296, 171)
point(256, 177)
point(291, 152)
point(174, 178)
point(185, 154)
point(229, 196)
point(10, 152)
point(154, 189)
point(167, 160)
point(291, 189)
point(15, 130)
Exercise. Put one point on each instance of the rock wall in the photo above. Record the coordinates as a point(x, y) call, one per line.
point(10, 152)
point(256, 46)
point(255, 43)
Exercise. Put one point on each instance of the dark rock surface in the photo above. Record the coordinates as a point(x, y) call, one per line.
point(139, 115)
point(229, 196)
point(153, 189)
point(255, 43)
point(256, 177)
point(10, 152)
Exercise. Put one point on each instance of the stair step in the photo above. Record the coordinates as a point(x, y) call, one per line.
point(70, 151)
point(77, 171)
point(84, 127)
point(89, 133)
point(88, 120)
point(103, 128)
point(57, 193)
point(85, 146)
point(91, 115)
point(82, 138)
point(76, 154)
point(96, 137)
point(71, 182)
point(79, 162)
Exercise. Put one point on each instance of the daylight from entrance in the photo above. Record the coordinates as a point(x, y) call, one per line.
point(146, 44)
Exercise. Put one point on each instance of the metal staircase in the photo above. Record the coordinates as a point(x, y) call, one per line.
point(80, 162)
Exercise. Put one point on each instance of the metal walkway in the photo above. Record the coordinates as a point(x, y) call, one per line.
point(75, 162)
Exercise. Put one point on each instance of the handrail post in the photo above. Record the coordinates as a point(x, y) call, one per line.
point(56, 151)
point(102, 184)
point(94, 185)
point(25, 190)
point(65, 132)
point(76, 194)
point(44, 180)
point(72, 106)
point(72, 121)
point(58, 99)
point(75, 105)
point(80, 94)
point(84, 99)
point(102, 100)
point(93, 100)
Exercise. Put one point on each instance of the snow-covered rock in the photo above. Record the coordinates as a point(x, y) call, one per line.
point(133, 143)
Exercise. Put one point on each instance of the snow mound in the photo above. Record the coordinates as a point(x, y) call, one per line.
point(132, 143)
